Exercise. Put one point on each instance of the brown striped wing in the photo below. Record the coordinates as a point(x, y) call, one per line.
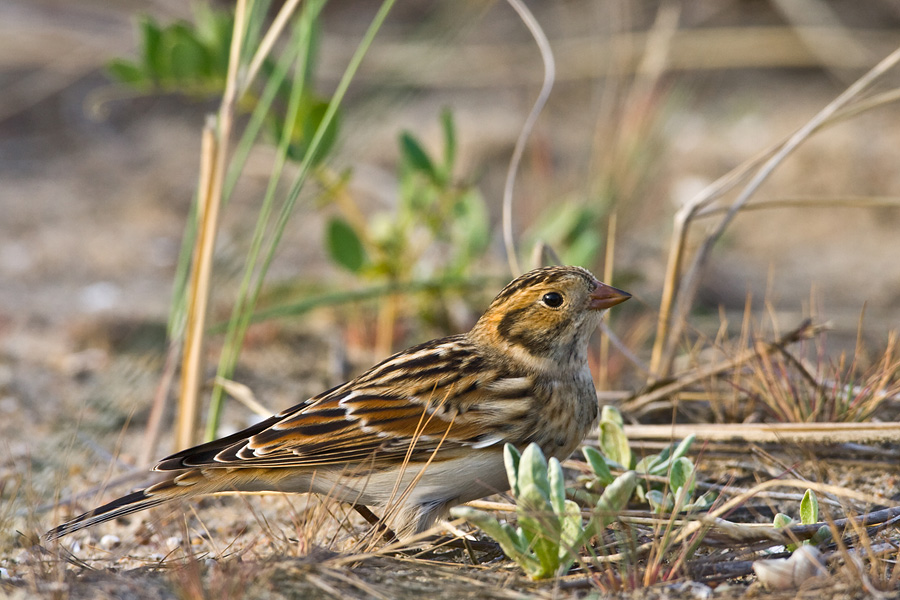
point(438, 395)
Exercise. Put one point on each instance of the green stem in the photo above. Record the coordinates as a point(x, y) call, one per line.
point(229, 359)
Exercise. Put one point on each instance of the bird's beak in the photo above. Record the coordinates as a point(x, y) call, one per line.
point(606, 296)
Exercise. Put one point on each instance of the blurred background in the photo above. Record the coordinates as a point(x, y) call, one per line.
point(652, 102)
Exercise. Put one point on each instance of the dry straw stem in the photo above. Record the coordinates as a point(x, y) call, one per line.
point(679, 292)
point(836, 51)
point(714, 517)
point(639, 404)
point(243, 394)
point(812, 202)
point(713, 521)
point(782, 433)
point(546, 86)
point(213, 165)
point(198, 297)
point(268, 42)
point(608, 265)
point(154, 421)
point(591, 57)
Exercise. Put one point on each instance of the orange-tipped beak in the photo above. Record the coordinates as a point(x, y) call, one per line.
point(606, 296)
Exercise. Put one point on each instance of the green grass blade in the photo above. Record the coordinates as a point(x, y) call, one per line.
point(245, 310)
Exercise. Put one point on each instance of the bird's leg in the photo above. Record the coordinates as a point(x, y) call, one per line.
point(374, 521)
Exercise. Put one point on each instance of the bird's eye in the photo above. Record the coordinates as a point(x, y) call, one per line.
point(552, 299)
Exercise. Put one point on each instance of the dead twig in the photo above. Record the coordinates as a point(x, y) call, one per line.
point(680, 292)
point(805, 330)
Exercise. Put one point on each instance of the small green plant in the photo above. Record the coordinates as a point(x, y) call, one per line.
point(550, 528)
point(573, 227)
point(192, 59)
point(809, 515)
point(674, 494)
point(437, 225)
point(435, 231)
point(182, 57)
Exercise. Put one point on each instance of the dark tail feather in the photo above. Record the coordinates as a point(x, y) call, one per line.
point(125, 505)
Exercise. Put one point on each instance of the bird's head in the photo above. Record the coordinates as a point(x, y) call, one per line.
point(547, 315)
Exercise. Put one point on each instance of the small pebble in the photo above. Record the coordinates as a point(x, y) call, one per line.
point(4, 573)
point(173, 542)
point(790, 573)
point(99, 296)
point(109, 541)
point(693, 589)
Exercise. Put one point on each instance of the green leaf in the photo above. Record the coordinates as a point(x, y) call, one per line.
point(344, 245)
point(539, 523)
point(533, 470)
point(152, 51)
point(659, 502)
point(311, 123)
point(583, 249)
point(449, 130)
point(510, 542)
point(571, 537)
point(822, 535)
point(781, 520)
point(649, 464)
point(214, 30)
point(611, 413)
point(189, 61)
point(614, 444)
point(662, 457)
point(682, 476)
point(809, 508)
point(557, 487)
point(659, 463)
point(416, 157)
point(471, 224)
point(127, 72)
point(511, 458)
point(598, 465)
point(309, 116)
point(684, 446)
point(614, 498)
point(702, 503)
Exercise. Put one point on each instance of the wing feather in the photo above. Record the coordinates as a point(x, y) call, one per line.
point(435, 395)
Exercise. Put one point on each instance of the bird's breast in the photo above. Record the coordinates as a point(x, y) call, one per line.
point(567, 412)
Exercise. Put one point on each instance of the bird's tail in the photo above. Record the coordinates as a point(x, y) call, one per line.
point(125, 505)
point(184, 485)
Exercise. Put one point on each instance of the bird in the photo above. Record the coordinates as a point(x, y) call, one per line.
point(423, 430)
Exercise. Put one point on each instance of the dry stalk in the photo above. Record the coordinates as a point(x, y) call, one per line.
point(213, 166)
point(799, 202)
point(782, 433)
point(805, 330)
point(243, 394)
point(198, 297)
point(154, 422)
point(543, 45)
point(677, 301)
point(745, 533)
point(608, 266)
point(835, 52)
point(268, 42)
point(587, 58)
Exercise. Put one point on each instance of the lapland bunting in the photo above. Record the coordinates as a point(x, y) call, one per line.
point(423, 430)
